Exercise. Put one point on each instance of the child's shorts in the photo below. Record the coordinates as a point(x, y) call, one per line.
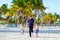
point(37, 30)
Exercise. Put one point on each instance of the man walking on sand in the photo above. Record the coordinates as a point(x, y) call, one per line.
point(30, 24)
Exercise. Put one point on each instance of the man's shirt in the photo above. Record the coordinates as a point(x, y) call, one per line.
point(30, 22)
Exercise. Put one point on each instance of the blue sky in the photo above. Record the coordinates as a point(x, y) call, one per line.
point(52, 5)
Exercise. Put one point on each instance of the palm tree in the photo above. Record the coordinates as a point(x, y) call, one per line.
point(29, 5)
point(38, 5)
point(4, 8)
point(23, 7)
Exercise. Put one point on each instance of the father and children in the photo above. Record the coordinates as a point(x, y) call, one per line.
point(31, 25)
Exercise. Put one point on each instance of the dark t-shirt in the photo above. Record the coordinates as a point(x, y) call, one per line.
point(30, 22)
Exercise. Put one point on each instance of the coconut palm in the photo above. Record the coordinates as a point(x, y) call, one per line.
point(4, 8)
point(38, 5)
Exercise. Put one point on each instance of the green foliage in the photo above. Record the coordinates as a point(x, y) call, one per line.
point(38, 21)
point(50, 18)
point(4, 8)
point(19, 3)
point(26, 7)
point(12, 20)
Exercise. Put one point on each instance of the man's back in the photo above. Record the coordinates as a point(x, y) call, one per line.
point(30, 22)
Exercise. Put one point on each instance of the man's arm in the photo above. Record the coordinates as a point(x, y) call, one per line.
point(27, 23)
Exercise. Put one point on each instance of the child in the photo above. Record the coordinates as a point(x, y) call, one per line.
point(37, 30)
point(22, 30)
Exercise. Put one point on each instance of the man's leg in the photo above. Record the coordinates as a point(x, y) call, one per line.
point(30, 31)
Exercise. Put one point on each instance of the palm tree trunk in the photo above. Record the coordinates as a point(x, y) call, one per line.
point(35, 14)
point(9, 19)
point(18, 17)
point(42, 13)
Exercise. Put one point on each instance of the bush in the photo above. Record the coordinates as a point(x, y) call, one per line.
point(12, 20)
point(38, 21)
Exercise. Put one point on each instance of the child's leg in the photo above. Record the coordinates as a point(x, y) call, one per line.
point(22, 31)
point(37, 32)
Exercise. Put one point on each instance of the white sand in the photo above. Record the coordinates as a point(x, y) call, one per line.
point(19, 36)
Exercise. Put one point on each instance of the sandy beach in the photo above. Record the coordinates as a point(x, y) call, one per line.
point(46, 33)
point(19, 36)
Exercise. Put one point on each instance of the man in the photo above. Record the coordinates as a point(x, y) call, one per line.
point(30, 24)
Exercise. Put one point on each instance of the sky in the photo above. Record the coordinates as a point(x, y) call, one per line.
point(52, 5)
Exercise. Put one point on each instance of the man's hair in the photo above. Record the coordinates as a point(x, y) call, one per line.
point(30, 15)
